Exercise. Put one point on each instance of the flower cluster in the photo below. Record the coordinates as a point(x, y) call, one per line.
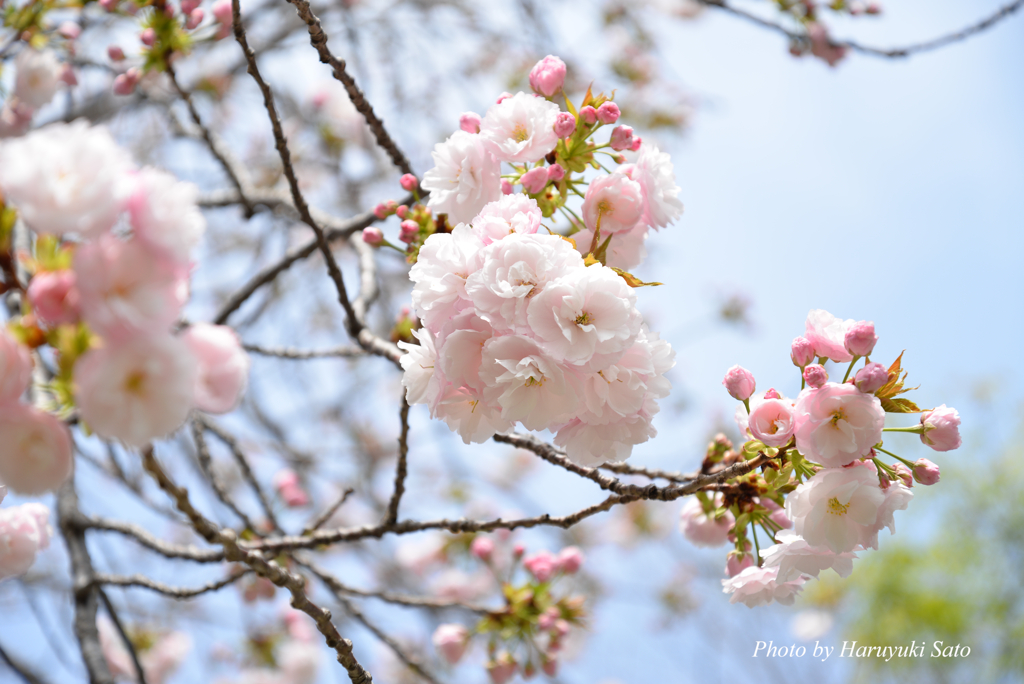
point(110, 277)
point(24, 531)
point(521, 324)
point(825, 492)
point(533, 617)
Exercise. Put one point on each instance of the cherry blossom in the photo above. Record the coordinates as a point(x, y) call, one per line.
point(654, 172)
point(837, 424)
point(613, 202)
point(15, 368)
point(837, 507)
point(24, 532)
point(164, 213)
point(760, 586)
point(521, 128)
point(54, 296)
point(511, 214)
point(828, 335)
point(445, 261)
point(465, 177)
point(942, 428)
point(37, 76)
point(547, 76)
point(35, 449)
point(529, 385)
point(794, 557)
point(223, 366)
point(773, 421)
point(702, 529)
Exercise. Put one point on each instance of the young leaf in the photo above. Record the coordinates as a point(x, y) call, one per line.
point(631, 279)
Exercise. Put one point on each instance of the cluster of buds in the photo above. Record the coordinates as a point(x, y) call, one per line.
point(817, 40)
point(530, 631)
point(824, 491)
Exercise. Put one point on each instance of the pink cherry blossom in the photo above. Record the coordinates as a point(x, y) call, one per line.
point(24, 531)
point(904, 473)
point(613, 202)
point(547, 76)
point(871, 378)
point(372, 235)
point(445, 262)
point(521, 128)
point(503, 669)
point(465, 177)
point(66, 178)
point(626, 250)
point(37, 76)
point(126, 288)
point(837, 424)
point(528, 384)
point(828, 335)
point(587, 316)
point(54, 297)
point(451, 641)
point(422, 384)
point(608, 113)
point(736, 563)
point(408, 182)
point(739, 382)
point(15, 368)
point(942, 428)
point(896, 498)
point(802, 351)
point(535, 180)
point(482, 548)
point(588, 114)
point(556, 173)
point(469, 122)
point(822, 45)
point(570, 560)
point(115, 53)
point(289, 488)
point(760, 586)
point(772, 421)
point(461, 352)
point(836, 507)
point(815, 375)
point(622, 138)
point(35, 449)
point(565, 124)
point(164, 213)
point(137, 389)
point(466, 411)
point(542, 565)
point(222, 365)
point(702, 529)
point(794, 557)
point(654, 172)
point(861, 338)
point(926, 472)
point(593, 444)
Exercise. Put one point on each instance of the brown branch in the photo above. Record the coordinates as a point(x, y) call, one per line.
point(175, 592)
point(20, 669)
point(933, 44)
point(304, 354)
point(234, 552)
point(206, 464)
point(401, 467)
point(140, 671)
point(400, 599)
point(165, 549)
point(243, 465)
point(318, 39)
point(318, 522)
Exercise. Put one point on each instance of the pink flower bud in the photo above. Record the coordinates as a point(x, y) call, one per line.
point(608, 113)
point(506, 187)
point(67, 75)
point(635, 147)
point(482, 548)
point(409, 231)
point(195, 18)
point(381, 211)
point(518, 550)
point(542, 565)
point(289, 488)
point(35, 448)
point(408, 182)
point(15, 367)
point(735, 564)
point(802, 351)
point(871, 378)
point(372, 235)
point(109, 5)
point(501, 98)
point(873, 8)
point(561, 627)
point(402, 212)
point(588, 115)
point(546, 620)
point(222, 12)
point(547, 76)
point(451, 641)
point(622, 137)
point(565, 124)
point(69, 30)
point(815, 375)
point(188, 5)
point(861, 338)
point(115, 53)
point(778, 514)
point(502, 670)
point(926, 472)
point(550, 666)
point(772, 394)
point(534, 180)
point(570, 560)
point(125, 83)
point(54, 297)
point(942, 428)
point(148, 36)
point(470, 122)
point(739, 382)
point(903, 472)
point(556, 173)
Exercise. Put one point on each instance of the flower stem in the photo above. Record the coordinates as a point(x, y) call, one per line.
point(757, 547)
point(898, 458)
point(916, 430)
point(850, 367)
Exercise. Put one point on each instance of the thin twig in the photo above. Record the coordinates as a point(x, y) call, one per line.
point(119, 626)
point(21, 670)
point(206, 464)
point(318, 522)
point(243, 465)
point(175, 592)
point(304, 354)
point(401, 467)
point(165, 549)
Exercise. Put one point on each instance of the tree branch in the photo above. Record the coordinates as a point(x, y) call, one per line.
point(401, 467)
point(144, 582)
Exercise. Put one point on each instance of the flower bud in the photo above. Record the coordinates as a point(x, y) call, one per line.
point(69, 30)
point(546, 620)
point(402, 212)
point(542, 565)
point(556, 173)
point(115, 53)
point(565, 124)
point(861, 338)
point(372, 235)
point(802, 351)
point(534, 180)
point(148, 37)
point(549, 665)
point(67, 75)
point(608, 113)
point(518, 550)
point(409, 231)
point(735, 563)
point(503, 669)
point(289, 488)
point(903, 472)
point(622, 138)
point(482, 548)
point(926, 472)
point(451, 641)
point(871, 378)
point(195, 18)
point(772, 394)
point(588, 115)
point(873, 8)
point(54, 296)
point(469, 122)
point(125, 83)
point(188, 5)
point(547, 76)
point(570, 560)
point(635, 147)
point(942, 428)
point(501, 98)
point(15, 368)
point(222, 11)
point(408, 182)
point(109, 5)
point(506, 187)
point(739, 382)
point(815, 375)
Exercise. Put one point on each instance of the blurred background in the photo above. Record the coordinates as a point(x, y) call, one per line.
point(886, 189)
